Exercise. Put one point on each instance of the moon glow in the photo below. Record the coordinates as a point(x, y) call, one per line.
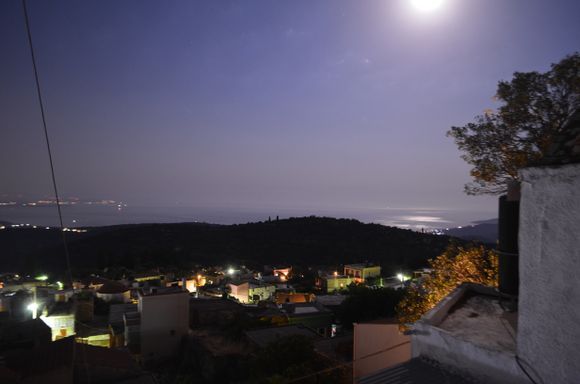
point(426, 5)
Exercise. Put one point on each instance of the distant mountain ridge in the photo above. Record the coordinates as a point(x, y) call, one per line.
point(482, 230)
point(305, 241)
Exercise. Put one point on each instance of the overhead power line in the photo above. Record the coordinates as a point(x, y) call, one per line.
point(46, 136)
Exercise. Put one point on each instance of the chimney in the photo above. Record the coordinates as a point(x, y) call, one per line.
point(508, 227)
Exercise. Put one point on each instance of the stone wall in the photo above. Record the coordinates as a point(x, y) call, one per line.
point(548, 339)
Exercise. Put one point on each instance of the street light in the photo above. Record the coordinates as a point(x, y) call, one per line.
point(33, 307)
point(401, 277)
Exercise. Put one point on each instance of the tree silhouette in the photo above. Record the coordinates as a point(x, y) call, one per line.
point(535, 107)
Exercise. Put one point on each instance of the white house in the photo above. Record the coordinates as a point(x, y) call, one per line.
point(164, 321)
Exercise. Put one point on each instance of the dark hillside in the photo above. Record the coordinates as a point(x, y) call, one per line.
point(309, 240)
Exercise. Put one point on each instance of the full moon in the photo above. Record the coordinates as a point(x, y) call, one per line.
point(426, 5)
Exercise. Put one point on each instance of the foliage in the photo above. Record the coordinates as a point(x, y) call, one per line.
point(289, 356)
point(364, 304)
point(101, 307)
point(535, 108)
point(372, 281)
point(474, 264)
point(293, 359)
point(239, 323)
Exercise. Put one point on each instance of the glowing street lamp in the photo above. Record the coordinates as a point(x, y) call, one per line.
point(230, 271)
point(33, 307)
point(401, 277)
point(42, 278)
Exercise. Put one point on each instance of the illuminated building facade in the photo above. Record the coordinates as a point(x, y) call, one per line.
point(360, 272)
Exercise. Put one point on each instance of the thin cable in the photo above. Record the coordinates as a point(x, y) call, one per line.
point(381, 351)
point(330, 369)
point(41, 104)
point(346, 364)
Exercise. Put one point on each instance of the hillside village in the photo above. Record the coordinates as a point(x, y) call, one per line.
point(218, 316)
point(242, 111)
point(230, 323)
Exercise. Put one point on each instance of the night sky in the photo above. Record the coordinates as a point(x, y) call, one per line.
point(262, 103)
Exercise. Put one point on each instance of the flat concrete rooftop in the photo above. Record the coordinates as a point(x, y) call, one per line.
point(482, 320)
point(472, 330)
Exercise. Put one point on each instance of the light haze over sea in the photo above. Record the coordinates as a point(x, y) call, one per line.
point(90, 215)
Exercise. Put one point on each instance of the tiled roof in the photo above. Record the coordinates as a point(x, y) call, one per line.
point(160, 291)
point(214, 304)
point(303, 309)
point(416, 371)
point(359, 265)
point(94, 280)
point(263, 337)
point(112, 287)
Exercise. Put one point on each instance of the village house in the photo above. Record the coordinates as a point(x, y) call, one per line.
point(163, 321)
point(361, 272)
point(251, 292)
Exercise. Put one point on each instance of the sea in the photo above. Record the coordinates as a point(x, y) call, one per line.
point(83, 215)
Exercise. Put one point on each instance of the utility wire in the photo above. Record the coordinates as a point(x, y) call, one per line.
point(41, 104)
point(42, 113)
point(346, 364)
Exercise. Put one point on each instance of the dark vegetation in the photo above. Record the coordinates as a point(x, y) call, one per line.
point(535, 110)
point(288, 359)
point(296, 241)
point(366, 304)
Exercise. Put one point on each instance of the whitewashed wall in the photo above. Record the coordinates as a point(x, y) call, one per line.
point(549, 299)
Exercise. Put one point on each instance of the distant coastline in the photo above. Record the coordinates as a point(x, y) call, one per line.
point(85, 215)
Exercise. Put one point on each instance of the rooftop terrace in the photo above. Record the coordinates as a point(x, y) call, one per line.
point(482, 320)
point(471, 329)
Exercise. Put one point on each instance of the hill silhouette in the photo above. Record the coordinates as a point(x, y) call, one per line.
point(303, 241)
point(484, 231)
